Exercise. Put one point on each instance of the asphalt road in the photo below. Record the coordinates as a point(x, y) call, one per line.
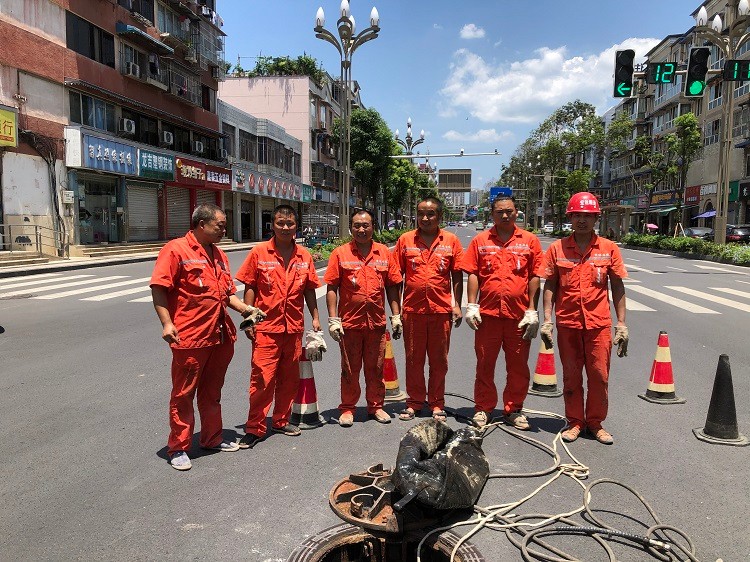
point(84, 387)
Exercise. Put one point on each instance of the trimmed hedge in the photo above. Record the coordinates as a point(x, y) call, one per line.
point(730, 253)
point(322, 252)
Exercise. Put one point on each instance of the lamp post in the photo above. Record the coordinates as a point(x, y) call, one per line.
point(346, 43)
point(729, 41)
point(408, 145)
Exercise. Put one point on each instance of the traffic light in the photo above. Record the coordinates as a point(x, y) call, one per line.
point(695, 77)
point(624, 73)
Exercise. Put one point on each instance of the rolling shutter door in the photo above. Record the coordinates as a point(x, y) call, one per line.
point(204, 196)
point(178, 211)
point(143, 213)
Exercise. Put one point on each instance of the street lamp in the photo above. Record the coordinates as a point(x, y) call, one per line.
point(409, 143)
point(729, 40)
point(346, 43)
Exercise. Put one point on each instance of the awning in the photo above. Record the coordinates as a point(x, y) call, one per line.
point(125, 29)
point(742, 143)
point(706, 215)
point(667, 210)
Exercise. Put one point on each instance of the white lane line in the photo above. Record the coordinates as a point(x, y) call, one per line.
point(62, 285)
point(149, 299)
point(745, 282)
point(636, 306)
point(107, 296)
point(743, 294)
point(320, 292)
point(27, 277)
point(633, 259)
point(679, 303)
point(92, 289)
point(718, 300)
point(628, 280)
point(643, 269)
point(41, 282)
point(676, 268)
point(724, 269)
point(143, 299)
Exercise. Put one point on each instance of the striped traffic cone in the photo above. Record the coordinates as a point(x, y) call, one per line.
point(661, 383)
point(305, 414)
point(390, 376)
point(544, 382)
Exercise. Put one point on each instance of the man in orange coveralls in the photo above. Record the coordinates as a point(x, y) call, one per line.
point(428, 258)
point(278, 276)
point(503, 264)
point(577, 269)
point(192, 287)
point(360, 270)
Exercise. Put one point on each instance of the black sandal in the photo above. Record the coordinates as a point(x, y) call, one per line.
point(439, 415)
point(407, 414)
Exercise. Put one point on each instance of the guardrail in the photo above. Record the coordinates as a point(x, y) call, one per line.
point(41, 240)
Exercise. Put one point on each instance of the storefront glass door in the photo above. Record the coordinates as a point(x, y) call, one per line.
point(97, 213)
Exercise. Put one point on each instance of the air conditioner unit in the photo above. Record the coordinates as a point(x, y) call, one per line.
point(222, 154)
point(206, 11)
point(198, 147)
point(167, 138)
point(332, 152)
point(127, 126)
point(132, 69)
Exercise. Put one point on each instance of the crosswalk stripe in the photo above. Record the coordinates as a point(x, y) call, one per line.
point(62, 285)
point(143, 299)
point(92, 289)
point(679, 303)
point(676, 268)
point(724, 269)
point(643, 269)
point(25, 278)
point(713, 298)
point(743, 294)
point(636, 306)
point(745, 282)
point(41, 282)
point(320, 292)
point(107, 296)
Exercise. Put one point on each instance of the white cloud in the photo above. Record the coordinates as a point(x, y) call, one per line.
point(471, 31)
point(483, 135)
point(527, 91)
point(498, 43)
point(437, 26)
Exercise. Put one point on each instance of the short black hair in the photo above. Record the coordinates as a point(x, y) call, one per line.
point(360, 211)
point(204, 212)
point(285, 210)
point(432, 199)
point(503, 198)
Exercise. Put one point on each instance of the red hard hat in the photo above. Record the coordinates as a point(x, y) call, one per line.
point(583, 202)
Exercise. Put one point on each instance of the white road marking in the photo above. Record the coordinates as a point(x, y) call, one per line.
point(107, 296)
point(636, 306)
point(25, 277)
point(724, 269)
point(719, 300)
point(320, 292)
point(41, 282)
point(676, 268)
point(743, 294)
point(679, 303)
point(643, 269)
point(62, 285)
point(92, 289)
point(143, 299)
point(745, 282)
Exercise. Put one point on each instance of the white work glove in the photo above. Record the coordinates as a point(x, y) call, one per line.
point(621, 340)
point(546, 333)
point(335, 328)
point(530, 321)
point(472, 316)
point(252, 316)
point(315, 345)
point(396, 327)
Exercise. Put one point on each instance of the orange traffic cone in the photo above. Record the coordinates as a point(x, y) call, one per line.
point(661, 383)
point(305, 414)
point(390, 376)
point(721, 421)
point(544, 382)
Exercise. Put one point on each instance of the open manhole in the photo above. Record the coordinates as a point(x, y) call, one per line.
point(376, 532)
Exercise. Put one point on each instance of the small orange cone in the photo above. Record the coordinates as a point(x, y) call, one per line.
point(390, 376)
point(544, 382)
point(305, 414)
point(661, 382)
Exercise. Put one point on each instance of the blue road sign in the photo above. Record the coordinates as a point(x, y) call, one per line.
point(499, 190)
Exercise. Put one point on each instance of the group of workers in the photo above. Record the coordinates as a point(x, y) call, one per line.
point(422, 281)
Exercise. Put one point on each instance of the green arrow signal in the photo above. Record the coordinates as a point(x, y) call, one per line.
point(622, 89)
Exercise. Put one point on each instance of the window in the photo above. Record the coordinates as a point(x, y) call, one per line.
point(714, 96)
point(168, 21)
point(144, 8)
point(146, 128)
point(184, 84)
point(88, 40)
point(229, 131)
point(297, 166)
point(747, 165)
point(208, 98)
point(182, 140)
point(262, 150)
point(92, 112)
point(711, 132)
point(248, 147)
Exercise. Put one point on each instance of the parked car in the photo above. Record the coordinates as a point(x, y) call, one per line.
point(463, 224)
point(479, 225)
point(490, 224)
point(700, 232)
point(548, 228)
point(567, 227)
point(451, 223)
point(738, 233)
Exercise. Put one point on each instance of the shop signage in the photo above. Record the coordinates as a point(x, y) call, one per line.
point(744, 192)
point(307, 192)
point(8, 126)
point(218, 178)
point(642, 202)
point(189, 172)
point(241, 178)
point(692, 195)
point(734, 187)
point(155, 165)
point(666, 198)
point(109, 156)
point(708, 189)
point(318, 193)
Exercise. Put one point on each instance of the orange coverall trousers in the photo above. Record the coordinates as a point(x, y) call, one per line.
point(591, 349)
point(358, 347)
point(426, 336)
point(493, 334)
point(274, 377)
point(200, 370)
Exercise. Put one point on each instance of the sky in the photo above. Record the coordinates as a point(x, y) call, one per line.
point(477, 75)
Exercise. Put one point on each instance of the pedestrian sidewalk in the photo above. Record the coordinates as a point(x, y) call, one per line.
point(9, 270)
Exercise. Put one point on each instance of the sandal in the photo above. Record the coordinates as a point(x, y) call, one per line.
point(407, 414)
point(439, 415)
point(571, 434)
point(603, 436)
point(381, 416)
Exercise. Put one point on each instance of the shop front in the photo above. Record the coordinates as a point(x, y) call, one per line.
point(707, 206)
point(143, 195)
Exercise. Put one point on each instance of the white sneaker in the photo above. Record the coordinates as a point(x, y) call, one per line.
point(180, 461)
